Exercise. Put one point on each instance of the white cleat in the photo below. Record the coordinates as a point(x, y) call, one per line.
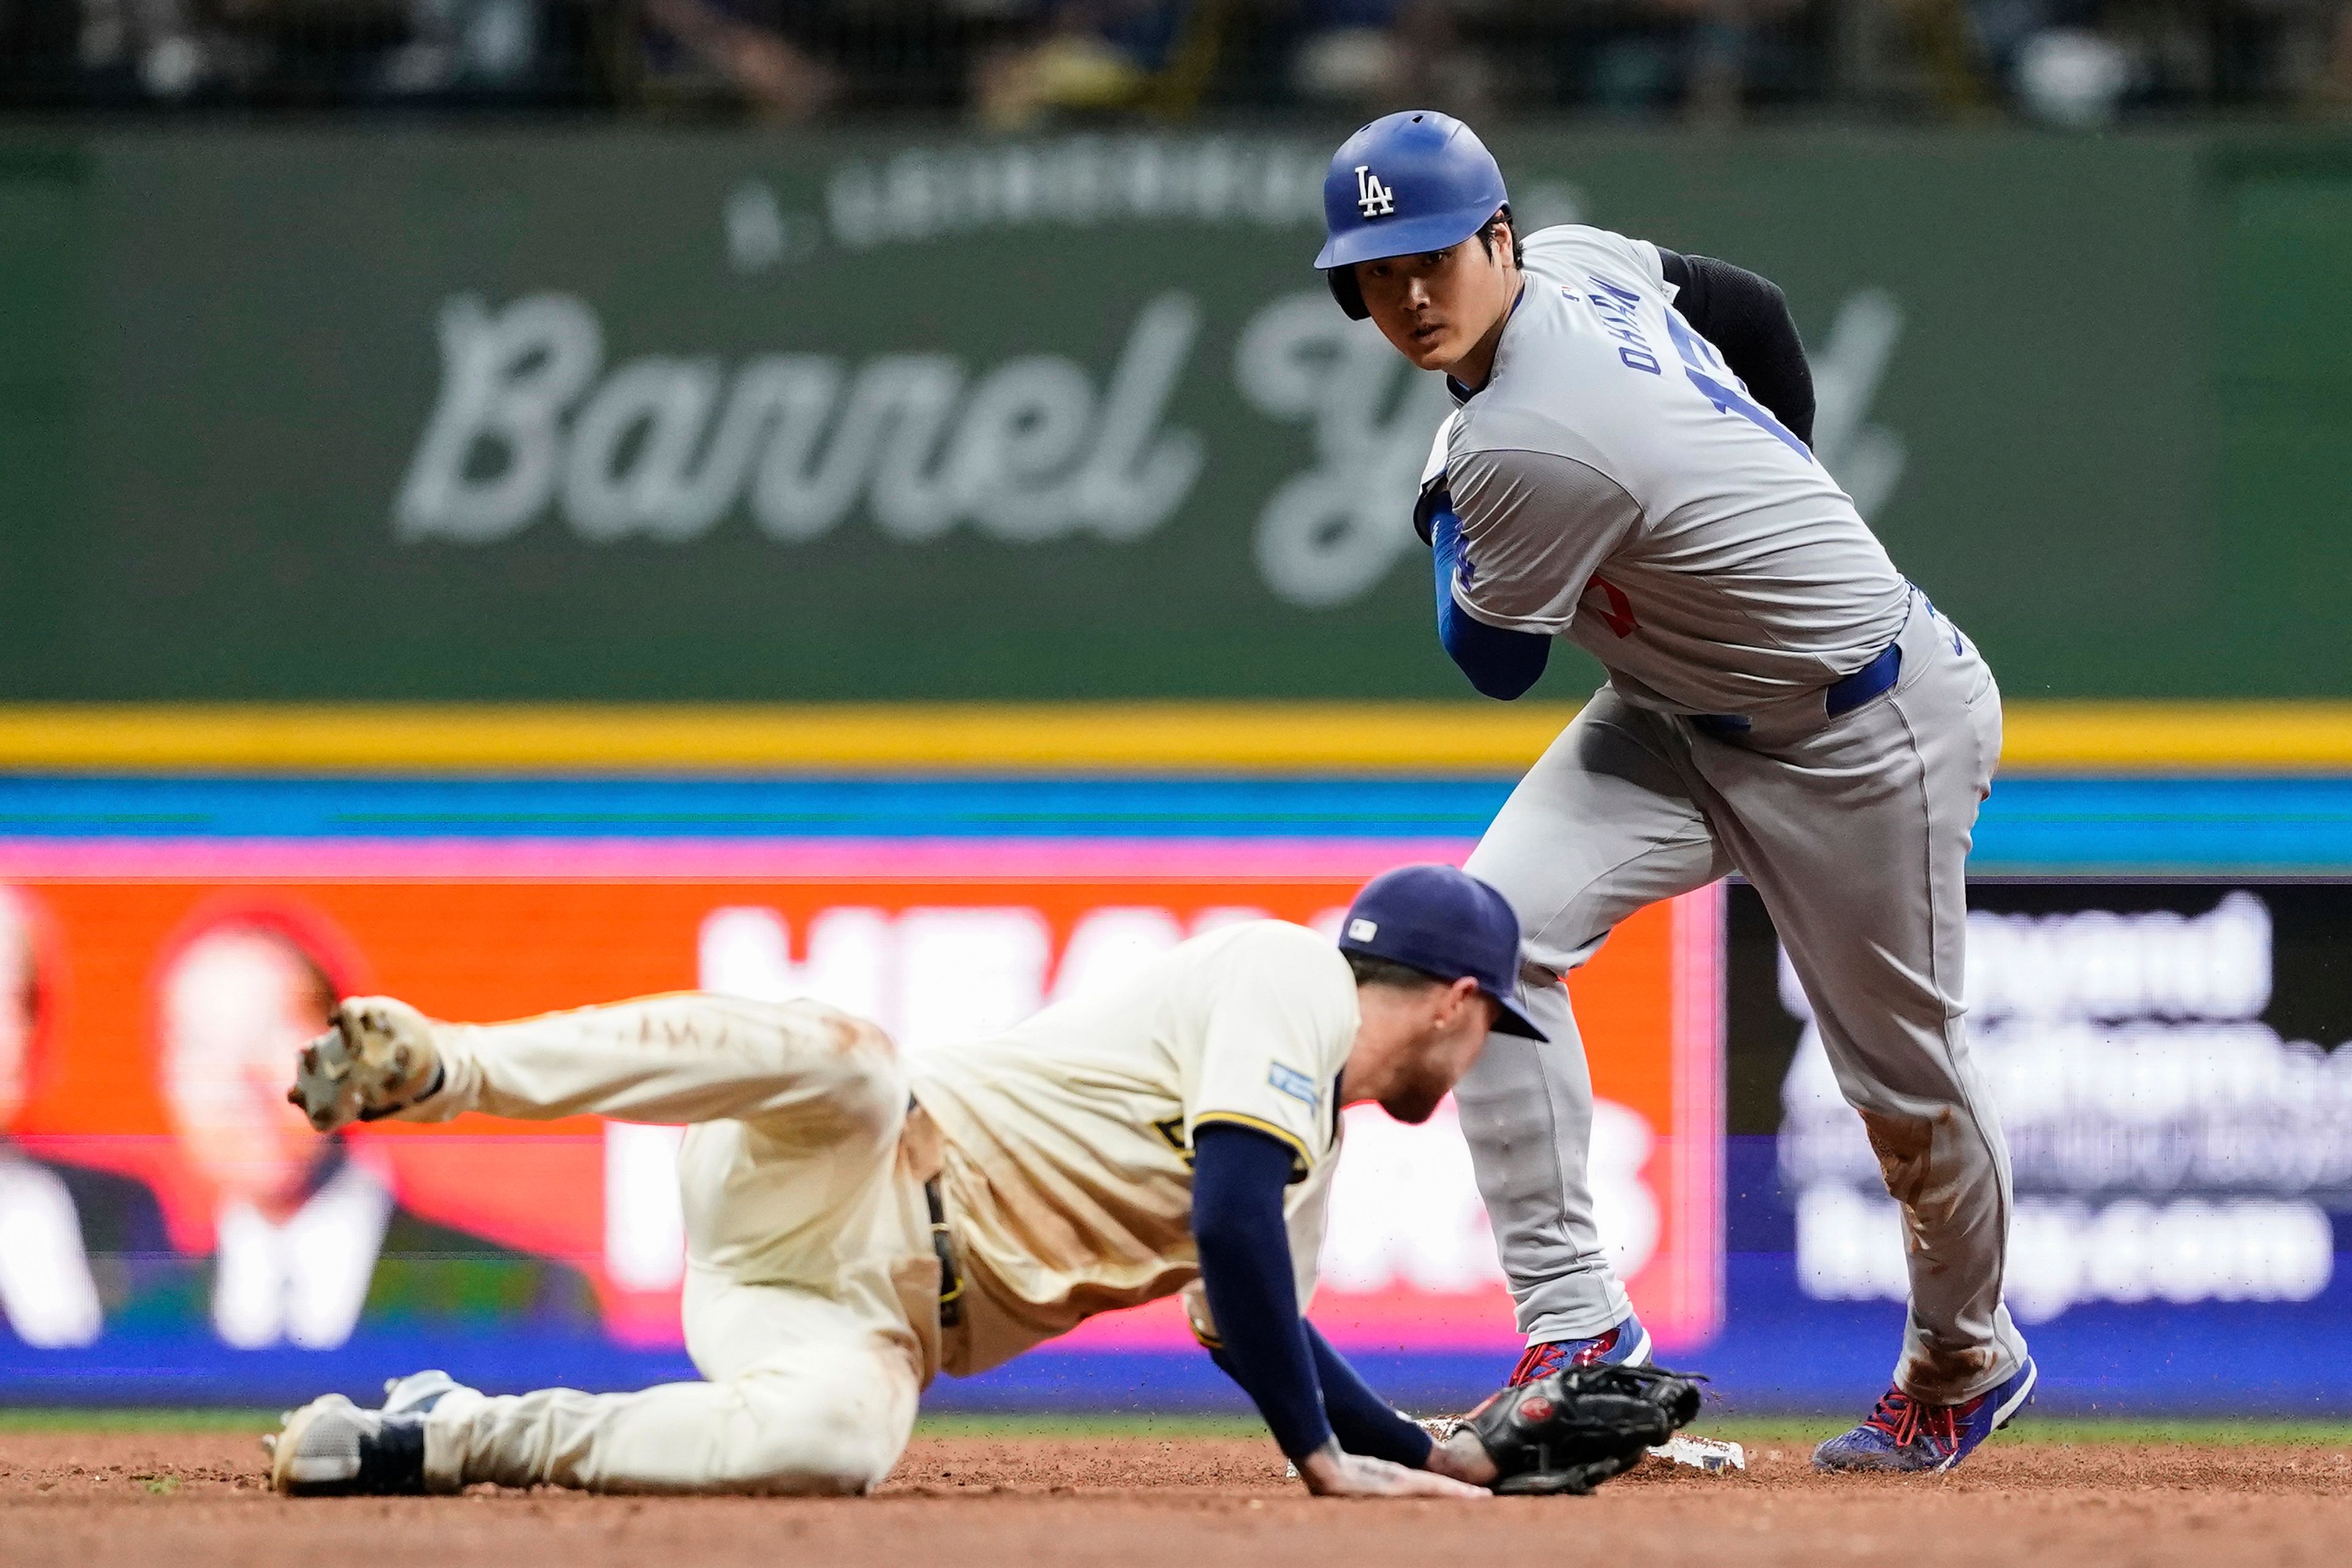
point(419, 1391)
point(332, 1448)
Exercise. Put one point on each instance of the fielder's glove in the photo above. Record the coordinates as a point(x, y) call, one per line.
point(1571, 1431)
point(377, 1059)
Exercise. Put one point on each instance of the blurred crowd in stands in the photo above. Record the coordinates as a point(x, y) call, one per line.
point(1016, 63)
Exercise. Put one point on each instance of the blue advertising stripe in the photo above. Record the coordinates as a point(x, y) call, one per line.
point(1825, 1360)
point(2114, 825)
point(2169, 826)
point(189, 1366)
point(871, 807)
point(1779, 1353)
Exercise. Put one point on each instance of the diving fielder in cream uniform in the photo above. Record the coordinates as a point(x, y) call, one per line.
point(1629, 467)
point(856, 1227)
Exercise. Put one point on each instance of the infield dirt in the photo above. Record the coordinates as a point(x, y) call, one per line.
point(168, 1499)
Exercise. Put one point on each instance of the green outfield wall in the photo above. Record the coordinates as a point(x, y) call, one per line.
point(527, 416)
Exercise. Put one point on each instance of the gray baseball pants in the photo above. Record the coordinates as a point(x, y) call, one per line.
point(1855, 831)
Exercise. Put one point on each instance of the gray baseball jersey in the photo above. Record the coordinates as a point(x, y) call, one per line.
point(1617, 487)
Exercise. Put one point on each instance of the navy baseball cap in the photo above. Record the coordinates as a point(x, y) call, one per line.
point(1447, 923)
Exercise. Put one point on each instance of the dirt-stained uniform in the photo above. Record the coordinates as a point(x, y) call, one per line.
point(816, 1304)
point(1613, 484)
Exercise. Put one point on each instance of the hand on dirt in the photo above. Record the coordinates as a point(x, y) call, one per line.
point(1463, 1456)
point(1331, 1472)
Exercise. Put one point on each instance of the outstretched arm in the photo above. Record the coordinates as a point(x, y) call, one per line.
point(1238, 1179)
point(1746, 319)
point(1363, 1421)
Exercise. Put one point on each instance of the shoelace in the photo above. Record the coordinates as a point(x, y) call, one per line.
point(1542, 1361)
point(1537, 1361)
point(1902, 1417)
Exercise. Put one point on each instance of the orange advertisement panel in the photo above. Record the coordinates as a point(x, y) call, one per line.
point(157, 1021)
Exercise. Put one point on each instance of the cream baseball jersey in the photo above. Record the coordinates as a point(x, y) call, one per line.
point(1617, 486)
point(1068, 1140)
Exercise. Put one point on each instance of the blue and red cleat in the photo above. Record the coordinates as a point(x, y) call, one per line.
point(1627, 1345)
point(1904, 1434)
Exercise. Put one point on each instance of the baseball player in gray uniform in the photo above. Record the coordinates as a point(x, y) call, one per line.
point(1627, 467)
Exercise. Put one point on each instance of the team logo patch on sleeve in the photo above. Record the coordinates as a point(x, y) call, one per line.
point(1294, 1083)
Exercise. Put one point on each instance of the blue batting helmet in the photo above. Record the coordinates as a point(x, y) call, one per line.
point(1409, 181)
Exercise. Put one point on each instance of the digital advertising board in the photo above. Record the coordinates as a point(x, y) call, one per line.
point(2167, 1051)
point(163, 1194)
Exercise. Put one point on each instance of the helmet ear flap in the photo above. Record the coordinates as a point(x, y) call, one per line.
point(1345, 290)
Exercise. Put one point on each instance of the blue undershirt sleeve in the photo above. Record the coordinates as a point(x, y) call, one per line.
point(1366, 1423)
point(1501, 663)
point(1239, 1176)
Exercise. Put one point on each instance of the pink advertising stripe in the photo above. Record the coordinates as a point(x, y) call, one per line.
point(1389, 1319)
point(1699, 1024)
point(712, 860)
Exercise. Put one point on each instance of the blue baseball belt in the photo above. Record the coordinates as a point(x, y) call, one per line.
point(1841, 696)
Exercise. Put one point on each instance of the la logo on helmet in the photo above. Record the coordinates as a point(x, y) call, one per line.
point(1375, 198)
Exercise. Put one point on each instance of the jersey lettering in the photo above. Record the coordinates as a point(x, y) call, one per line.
point(1615, 305)
point(1172, 1129)
point(1700, 361)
